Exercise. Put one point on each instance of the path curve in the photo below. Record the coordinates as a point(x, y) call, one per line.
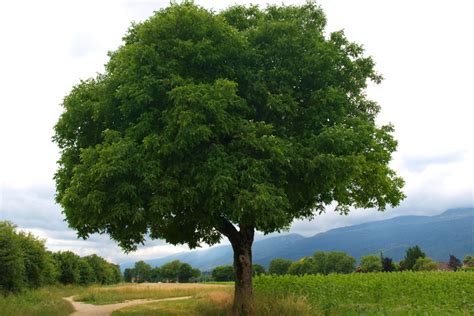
point(83, 309)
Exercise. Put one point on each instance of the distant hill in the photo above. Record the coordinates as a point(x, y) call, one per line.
point(451, 232)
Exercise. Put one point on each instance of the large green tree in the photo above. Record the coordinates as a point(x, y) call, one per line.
point(208, 124)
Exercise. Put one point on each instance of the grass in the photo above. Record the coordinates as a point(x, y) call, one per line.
point(218, 303)
point(401, 293)
point(120, 293)
point(46, 301)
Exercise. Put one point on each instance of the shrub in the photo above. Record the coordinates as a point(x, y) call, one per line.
point(371, 264)
point(425, 264)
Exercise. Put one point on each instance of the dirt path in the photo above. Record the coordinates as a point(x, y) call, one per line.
point(83, 309)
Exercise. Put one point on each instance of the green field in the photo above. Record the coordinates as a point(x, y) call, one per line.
point(399, 293)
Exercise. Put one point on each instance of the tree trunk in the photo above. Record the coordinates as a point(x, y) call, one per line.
point(241, 242)
point(243, 295)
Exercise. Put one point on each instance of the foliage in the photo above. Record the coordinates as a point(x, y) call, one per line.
point(142, 271)
point(301, 267)
point(454, 263)
point(68, 266)
point(468, 261)
point(12, 264)
point(257, 269)
point(412, 254)
point(223, 273)
point(129, 274)
point(388, 265)
point(279, 266)
point(371, 263)
point(425, 264)
point(221, 120)
point(401, 293)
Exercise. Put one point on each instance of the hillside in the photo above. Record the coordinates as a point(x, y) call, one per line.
point(451, 232)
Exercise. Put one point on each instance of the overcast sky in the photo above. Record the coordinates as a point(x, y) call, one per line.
point(424, 49)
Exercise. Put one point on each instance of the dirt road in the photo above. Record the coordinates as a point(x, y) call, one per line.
point(83, 309)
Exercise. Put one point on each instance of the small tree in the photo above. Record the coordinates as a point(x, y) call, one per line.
point(468, 261)
point(332, 262)
point(425, 264)
point(279, 266)
point(210, 124)
point(142, 271)
point(387, 264)
point(371, 263)
point(87, 275)
point(454, 263)
point(223, 273)
point(301, 267)
point(412, 254)
point(12, 264)
point(68, 266)
point(257, 269)
point(186, 272)
point(129, 275)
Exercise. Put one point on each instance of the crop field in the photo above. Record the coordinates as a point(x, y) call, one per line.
point(400, 293)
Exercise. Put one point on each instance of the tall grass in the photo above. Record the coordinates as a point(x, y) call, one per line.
point(121, 293)
point(46, 301)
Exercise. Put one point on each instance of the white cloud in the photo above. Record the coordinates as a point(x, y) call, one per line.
point(421, 47)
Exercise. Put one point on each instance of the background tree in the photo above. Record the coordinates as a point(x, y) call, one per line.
point(454, 263)
point(257, 269)
point(186, 272)
point(468, 261)
point(301, 267)
point(86, 272)
point(425, 264)
point(332, 262)
point(210, 124)
point(129, 275)
point(68, 266)
point(142, 271)
point(223, 273)
point(371, 263)
point(412, 254)
point(12, 265)
point(155, 275)
point(387, 264)
point(279, 266)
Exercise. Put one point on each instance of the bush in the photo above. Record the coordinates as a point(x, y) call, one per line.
point(223, 273)
point(279, 266)
point(371, 264)
point(412, 254)
point(12, 264)
point(425, 264)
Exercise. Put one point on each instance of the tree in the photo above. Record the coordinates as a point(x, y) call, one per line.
point(454, 263)
point(129, 274)
point(86, 272)
point(468, 261)
point(425, 264)
point(186, 272)
point(279, 266)
point(142, 271)
point(68, 265)
point(332, 262)
point(12, 265)
point(301, 267)
point(371, 263)
point(257, 269)
point(387, 264)
point(412, 254)
point(210, 124)
point(223, 273)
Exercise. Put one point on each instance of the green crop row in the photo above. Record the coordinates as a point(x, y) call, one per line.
point(400, 293)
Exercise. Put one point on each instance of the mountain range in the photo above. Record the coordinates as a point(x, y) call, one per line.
point(450, 233)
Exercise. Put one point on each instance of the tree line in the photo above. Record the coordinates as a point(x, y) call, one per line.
point(26, 263)
point(339, 262)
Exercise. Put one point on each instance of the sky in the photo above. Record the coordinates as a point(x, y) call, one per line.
point(422, 48)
